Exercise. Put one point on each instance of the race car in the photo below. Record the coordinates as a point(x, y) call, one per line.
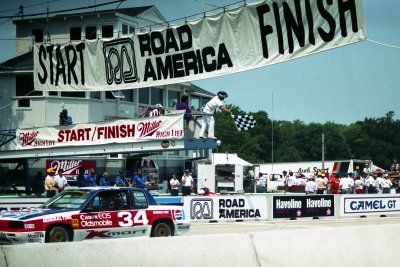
point(93, 213)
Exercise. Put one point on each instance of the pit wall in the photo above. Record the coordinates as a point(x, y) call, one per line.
point(263, 206)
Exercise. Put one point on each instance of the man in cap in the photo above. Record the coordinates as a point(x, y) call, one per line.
point(386, 184)
point(49, 183)
point(158, 111)
point(210, 108)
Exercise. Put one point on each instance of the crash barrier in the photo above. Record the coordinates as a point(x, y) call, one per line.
point(262, 206)
point(289, 206)
point(367, 245)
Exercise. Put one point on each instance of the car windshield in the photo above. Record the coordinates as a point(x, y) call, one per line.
point(69, 199)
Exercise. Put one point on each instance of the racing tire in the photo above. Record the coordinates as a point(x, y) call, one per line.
point(162, 229)
point(57, 233)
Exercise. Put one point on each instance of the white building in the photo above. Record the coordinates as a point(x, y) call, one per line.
point(24, 107)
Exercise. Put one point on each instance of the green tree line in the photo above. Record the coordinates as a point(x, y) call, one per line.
point(376, 139)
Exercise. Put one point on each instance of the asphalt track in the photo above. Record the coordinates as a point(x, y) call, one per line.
point(286, 224)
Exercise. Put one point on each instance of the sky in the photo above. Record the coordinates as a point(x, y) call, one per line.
point(342, 85)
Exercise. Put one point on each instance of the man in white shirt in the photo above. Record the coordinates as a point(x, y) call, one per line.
point(386, 184)
point(311, 185)
point(187, 183)
point(263, 183)
point(60, 180)
point(209, 108)
point(370, 184)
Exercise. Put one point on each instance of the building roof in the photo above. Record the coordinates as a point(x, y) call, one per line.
point(131, 11)
point(20, 63)
point(228, 159)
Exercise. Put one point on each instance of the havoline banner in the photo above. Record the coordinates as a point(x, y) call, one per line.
point(244, 38)
point(303, 206)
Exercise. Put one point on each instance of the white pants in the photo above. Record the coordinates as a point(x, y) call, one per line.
point(207, 121)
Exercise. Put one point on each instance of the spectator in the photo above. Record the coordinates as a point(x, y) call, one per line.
point(120, 179)
point(140, 179)
point(187, 183)
point(321, 183)
point(184, 105)
point(395, 167)
point(49, 183)
point(378, 182)
point(91, 177)
point(311, 185)
point(174, 183)
point(64, 119)
point(285, 180)
point(345, 184)
point(60, 180)
point(38, 184)
point(386, 184)
point(370, 184)
point(80, 179)
point(208, 121)
point(263, 183)
point(367, 169)
point(359, 184)
point(290, 180)
point(334, 184)
point(158, 111)
point(105, 179)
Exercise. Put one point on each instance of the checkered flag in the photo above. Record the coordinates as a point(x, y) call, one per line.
point(244, 122)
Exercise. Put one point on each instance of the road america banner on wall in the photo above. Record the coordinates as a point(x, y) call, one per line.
point(120, 131)
point(247, 37)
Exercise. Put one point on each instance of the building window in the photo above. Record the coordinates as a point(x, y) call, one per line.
point(95, 95)
point(128, 95)
point(125, 29)
point(24, 87)
point(173, 98)
point(53, 93)
point(204, 101)
point(144, 96)
point(194, 103)
point(37, 35)
point(73, 94)
point(107, 31)
point(75, 34)
point(157, 96)
point(91, 33)
point(131, 30)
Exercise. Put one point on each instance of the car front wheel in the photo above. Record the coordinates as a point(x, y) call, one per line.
point(161, 229)
point(57, 234)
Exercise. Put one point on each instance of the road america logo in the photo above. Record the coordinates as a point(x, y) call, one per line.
point(120, 62)
point(201, 209)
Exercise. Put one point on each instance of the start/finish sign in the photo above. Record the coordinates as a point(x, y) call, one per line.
point(243, 38)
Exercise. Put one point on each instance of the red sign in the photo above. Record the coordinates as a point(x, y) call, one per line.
point(70, 167)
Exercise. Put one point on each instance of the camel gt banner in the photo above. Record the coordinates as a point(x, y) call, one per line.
point(120, 131)
point(239, 39)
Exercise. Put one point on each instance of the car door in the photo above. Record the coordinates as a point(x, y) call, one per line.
point(109, 214)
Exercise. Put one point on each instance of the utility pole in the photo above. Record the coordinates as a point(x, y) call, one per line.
point(323, 152)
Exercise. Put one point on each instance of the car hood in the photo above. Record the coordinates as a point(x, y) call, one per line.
point(31, 213)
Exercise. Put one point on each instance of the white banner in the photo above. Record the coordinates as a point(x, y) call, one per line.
point(247, 37)
point(121, 131)
point(226, 208)
point(364, 205)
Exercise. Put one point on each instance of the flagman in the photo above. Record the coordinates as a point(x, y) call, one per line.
point(210, 108)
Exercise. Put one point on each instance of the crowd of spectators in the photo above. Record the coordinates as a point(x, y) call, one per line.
point(362, 181)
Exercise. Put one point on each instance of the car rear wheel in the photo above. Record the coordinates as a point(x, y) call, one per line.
point(161, 229)
point(57, 234)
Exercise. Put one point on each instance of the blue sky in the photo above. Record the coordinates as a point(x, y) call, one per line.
point(343, 85)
